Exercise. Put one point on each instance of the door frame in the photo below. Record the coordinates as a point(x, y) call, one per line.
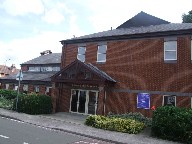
point(86, 102)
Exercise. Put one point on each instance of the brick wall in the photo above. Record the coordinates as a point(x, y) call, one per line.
point(139, 65)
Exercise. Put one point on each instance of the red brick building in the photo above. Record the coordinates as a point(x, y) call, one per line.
point(145, 62)
point(36, 74)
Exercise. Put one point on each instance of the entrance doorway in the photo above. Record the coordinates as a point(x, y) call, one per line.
point(83, 101)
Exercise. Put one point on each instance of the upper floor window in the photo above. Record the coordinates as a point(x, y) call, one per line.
point(81, 54)
point(170, 50)
point(37, 69)
point(101, 53)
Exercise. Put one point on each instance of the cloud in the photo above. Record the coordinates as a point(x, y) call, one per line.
point(22, 7)
point(53, 17)
point(107, 14)
point(24, 49)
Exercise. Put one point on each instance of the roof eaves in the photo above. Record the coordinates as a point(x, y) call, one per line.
point(129, 36)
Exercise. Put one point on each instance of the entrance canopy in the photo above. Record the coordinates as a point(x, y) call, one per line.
point(82, 73)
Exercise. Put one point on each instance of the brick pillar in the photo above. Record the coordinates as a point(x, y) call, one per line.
point(101, 97)
point(31, 88)
point(42, 89)
point(54, 95)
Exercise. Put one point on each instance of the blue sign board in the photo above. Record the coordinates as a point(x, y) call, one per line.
point(143, 100)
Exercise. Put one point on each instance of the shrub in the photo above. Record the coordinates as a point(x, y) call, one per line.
point(135, 116)
point(8, 94)
point(172, 123)
point(115, 124)
point(34, 104)
point(5, 103)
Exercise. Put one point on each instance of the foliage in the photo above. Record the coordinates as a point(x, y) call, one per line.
point(8, 94)
point(187, 18)
point(34, 104)
point(115, 124)
point(135, 116)
point(6, 103)
point(172, 123)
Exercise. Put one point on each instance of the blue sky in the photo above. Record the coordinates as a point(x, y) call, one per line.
point(29, 27)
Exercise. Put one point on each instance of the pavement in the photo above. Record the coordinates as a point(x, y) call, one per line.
point(74, 123)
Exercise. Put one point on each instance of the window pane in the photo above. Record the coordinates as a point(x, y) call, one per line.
point(170, 45)
point(101, 57)
point(170, 55)
point(102, 49)
point(81, 57)
point(81, 50)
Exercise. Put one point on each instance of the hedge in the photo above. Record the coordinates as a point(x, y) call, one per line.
point(8, 94)
point(172, 123)
point(133, 115)
point(34, 104)
point(115, 124)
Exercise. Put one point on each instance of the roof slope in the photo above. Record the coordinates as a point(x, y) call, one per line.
point(31, 76)
point(174, 28)
point(142, 19)
point(8, 70)
point(52, 58)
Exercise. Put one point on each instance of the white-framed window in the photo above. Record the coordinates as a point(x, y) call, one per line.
point(36, 89)
point(37, 69)
point(101, 53)
point(169, 100)
point(81, 53)
point(25, 87)
point(15, 87)
point(6, 86)
point(170, 50)
point(191, 101)
point(47, 90)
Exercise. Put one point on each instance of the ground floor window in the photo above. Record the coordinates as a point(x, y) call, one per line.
point(169, 100)
point(25, 88)
point(37, 89)
point(84, 101)
point(7, 86)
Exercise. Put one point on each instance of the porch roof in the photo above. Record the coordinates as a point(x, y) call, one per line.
point(88, 66)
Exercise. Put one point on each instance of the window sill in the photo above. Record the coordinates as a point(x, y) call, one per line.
point(170, 61)
point(101, 62)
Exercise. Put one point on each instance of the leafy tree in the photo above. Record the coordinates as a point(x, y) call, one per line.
point(187, 18)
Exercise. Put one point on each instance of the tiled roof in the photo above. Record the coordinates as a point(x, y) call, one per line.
point(32, 76)
point(8, 70)
point(53, 58)
point(142, 19)
point(137, 30)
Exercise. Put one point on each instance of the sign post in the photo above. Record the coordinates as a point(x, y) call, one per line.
point(19, 77)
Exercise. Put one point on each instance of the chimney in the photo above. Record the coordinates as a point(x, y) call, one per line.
point(46, 52)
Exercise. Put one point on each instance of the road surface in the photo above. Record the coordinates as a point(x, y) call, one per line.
point(16, 132)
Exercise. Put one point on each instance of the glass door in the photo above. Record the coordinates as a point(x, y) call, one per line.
point(82, 101)
point(74, 100)
point(92, 104)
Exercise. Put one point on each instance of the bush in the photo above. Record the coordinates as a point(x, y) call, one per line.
point(115, 124)
point(172, 123)
point(8, 94)
point(5, 103)
point(34, 104)
point(135, 116)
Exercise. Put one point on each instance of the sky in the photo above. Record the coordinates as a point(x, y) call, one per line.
point(28, 27)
